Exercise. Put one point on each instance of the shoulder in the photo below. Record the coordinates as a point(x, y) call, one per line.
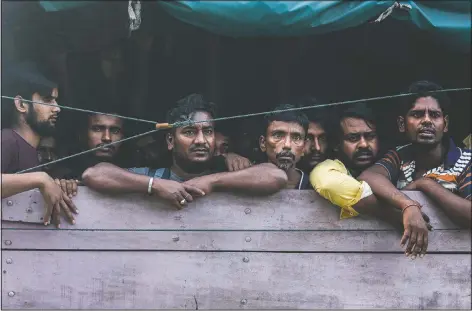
point(8, 136)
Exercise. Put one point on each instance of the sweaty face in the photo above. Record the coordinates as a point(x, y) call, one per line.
point(316, 146)
point(283, 143)
point(193, 145)
point(359, 146)
point(425, 123)
point(47, 151)
point(104, 130)
point(221, 144)
point(41, 118)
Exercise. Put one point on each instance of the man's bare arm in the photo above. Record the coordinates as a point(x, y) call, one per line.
point(377, 178)
point(456, 207)
point(16, 183)
point(106, 177)
point(264, 178)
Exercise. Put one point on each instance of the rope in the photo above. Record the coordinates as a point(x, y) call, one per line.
point(186, 123)
point(86, 151)
point(83, 110)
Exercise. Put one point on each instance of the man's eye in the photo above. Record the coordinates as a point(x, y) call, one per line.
point(115, 130)
point(416, 114)
point(96, 128)
point(296, 137)
point(208, 132)
point(277, 135)
point(310, 138)
point(370, 136)
point(435, 115)
point(189, 132)
point(352, 138)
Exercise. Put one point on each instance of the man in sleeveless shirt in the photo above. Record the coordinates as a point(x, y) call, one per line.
point(193, 172)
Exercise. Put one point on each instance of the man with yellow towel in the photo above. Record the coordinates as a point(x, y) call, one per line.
point(356, 146)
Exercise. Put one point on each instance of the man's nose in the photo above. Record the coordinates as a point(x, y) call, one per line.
point(426, 118)
point(316, 145)
point(199, 139)
point(363, 143)
point(106, 136)
point(55, 108)
point(287, 143)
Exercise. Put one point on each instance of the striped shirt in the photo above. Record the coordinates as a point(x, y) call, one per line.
point(454, 173)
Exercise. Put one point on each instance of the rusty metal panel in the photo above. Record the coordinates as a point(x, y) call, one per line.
point(286, 210)
point(288, 241)
point(225, 280)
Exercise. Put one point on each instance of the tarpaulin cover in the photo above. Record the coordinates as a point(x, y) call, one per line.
point(450, 21)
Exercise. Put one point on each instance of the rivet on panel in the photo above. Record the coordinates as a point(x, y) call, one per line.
point(248, 239)
point(9, 261)
point(7, 242)
point(175, 238)
point(9, 203)
point(243, 301)
point(247, 211)
point(11, 294)
point(29, 210)
point(246, 259)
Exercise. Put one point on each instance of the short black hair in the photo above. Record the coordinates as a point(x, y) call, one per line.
point(189, 105)
point(358, 111)
point(315, 115)
point(296, 116)
point(424, 89)
point(23, 79)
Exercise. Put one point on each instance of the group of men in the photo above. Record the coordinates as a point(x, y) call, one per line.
point(341, 160)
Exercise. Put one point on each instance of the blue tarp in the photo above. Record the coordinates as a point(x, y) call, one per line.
point(449, 21)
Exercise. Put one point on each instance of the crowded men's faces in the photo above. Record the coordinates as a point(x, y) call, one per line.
point(102, 130)
point(424, 123)
point(284, 143)
point(41, 118)
point(316, 145)
point(359, 144)
point(195, 143)
point(221, 144)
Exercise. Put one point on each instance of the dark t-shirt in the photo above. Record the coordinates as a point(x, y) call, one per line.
point(17, 154)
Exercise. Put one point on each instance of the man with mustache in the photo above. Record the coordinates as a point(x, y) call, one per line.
point(30, 122)
point(430, 163)
point(99, 130)
point(356, 147)
point(316, 143)
point(284, 143)
point(192, 173)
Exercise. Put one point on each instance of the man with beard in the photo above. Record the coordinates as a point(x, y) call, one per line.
point(316, 143)
point(192, 173)
point(356, 147)
point(284, 143)
point(30, 122)
point(431, 163)
point(99, 130)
